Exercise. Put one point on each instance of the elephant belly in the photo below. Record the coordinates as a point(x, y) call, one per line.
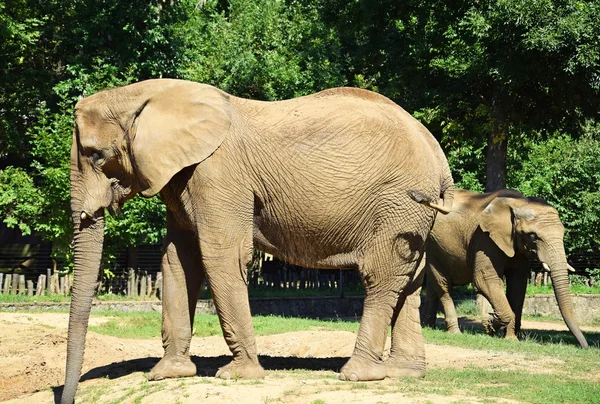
point(304, 250)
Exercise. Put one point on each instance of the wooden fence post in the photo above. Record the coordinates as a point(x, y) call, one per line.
point(15, 284)
point(21, 284)
point(39, 291)
point(149, 285)
point(158, 286)
point(1, 283)
point(131, 283)
point(29, 288)
point(143, 285)
point(7, 283)
point(49, 280)
point(55, 289)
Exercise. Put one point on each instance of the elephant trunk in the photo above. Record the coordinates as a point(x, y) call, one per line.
point(560, 282)
point(88, 240)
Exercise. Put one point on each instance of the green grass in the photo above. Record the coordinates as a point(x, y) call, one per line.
point(521, 386)
point(574, 288)
point(31, 299)
point(145, 325)
point(468, 308)
point(67, 299)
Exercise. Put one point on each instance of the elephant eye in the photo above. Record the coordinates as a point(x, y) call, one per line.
point(96, 157)
point(533, 237)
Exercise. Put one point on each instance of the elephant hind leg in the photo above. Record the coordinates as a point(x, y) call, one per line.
point(386, 274)
point(407, 353)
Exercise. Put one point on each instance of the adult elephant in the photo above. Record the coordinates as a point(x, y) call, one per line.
point(488, 237)
point(323, 181)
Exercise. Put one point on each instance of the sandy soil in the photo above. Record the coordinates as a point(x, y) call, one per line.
point(301, 367)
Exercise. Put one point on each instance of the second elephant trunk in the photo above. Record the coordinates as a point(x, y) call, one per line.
point(560, 282)
point(88, 254)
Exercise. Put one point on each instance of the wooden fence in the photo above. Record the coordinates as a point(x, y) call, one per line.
point(137, 274)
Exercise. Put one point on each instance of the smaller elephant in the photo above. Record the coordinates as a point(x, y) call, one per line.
point(488, 237)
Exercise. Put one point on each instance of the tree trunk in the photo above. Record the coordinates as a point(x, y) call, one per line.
point(495, 166)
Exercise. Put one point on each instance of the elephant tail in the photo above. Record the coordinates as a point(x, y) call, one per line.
point(446, 194)
point(443, 204)
point(426, 200)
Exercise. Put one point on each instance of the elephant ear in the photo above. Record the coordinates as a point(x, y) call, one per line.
point(497, 219)
point(175, 128)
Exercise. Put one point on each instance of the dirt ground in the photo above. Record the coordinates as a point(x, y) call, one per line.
point(301, 367)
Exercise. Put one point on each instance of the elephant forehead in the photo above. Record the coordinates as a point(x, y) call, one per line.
point(94, 131)
point(549, 220)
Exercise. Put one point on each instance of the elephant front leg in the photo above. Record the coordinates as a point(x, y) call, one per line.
point(227, 274)
point(182, 277)
point(516, 287)
point(490, 285)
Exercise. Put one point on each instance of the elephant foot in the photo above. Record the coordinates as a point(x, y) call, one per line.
point(241, 369)
point(401, 367)
point(363, 370)
point(454, 330)
point(172, 367)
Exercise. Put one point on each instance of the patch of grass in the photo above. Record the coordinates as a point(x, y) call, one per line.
point(145, 325)
point(268, 325)
point(521, 386)
point(32, 299)
point(574, 288)
point(556, 344)
point(468, 308)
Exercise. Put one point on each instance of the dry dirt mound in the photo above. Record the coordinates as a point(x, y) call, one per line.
point(33, 351)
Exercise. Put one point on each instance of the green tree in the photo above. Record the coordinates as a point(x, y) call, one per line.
point(262, 49)
point(56, 52)
point(566, 173)
point(481, 69)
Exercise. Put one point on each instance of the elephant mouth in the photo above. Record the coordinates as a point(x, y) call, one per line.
point(119, 194)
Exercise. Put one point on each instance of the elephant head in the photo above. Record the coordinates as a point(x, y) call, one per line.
point(533, 228)
point(126, 141)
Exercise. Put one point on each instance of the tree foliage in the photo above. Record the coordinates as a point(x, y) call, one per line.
point(522, 74)
point(479, 70)
point(566, 173)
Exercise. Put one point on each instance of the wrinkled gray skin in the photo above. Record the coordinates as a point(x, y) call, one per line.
point(322, 181)
point(490, 236)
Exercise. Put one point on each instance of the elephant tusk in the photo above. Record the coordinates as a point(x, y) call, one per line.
point(546, 267)
point(571, 269)
point(83, 215)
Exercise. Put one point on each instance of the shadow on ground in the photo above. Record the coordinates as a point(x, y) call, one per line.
point(208, 366)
